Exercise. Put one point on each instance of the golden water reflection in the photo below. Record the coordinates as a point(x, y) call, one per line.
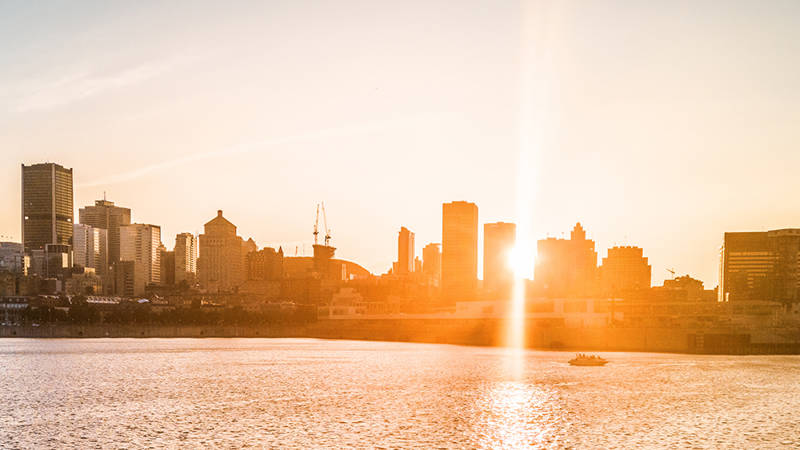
point(516, 414)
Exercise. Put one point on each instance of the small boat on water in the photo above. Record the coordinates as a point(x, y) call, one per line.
point(587, 360)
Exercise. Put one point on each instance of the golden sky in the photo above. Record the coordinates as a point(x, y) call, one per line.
point(658, 125)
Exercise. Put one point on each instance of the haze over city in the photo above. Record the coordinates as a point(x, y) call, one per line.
point(659, 125)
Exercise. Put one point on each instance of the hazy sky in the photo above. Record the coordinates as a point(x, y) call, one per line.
point(658, 124)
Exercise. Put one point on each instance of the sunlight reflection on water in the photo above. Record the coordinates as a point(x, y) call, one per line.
point(303, 393)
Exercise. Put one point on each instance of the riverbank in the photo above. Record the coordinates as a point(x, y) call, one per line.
point(479, 332)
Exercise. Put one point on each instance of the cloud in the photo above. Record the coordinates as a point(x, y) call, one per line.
point(83, 84)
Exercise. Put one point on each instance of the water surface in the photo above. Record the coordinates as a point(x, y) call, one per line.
point(315, 393)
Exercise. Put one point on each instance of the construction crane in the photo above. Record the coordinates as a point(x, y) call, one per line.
point(325, 223)
point(672, 271)
point(316, 226)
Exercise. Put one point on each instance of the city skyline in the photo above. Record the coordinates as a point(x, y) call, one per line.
point(679, 158)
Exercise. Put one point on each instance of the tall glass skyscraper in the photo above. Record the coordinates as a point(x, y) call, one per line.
point(47, 211)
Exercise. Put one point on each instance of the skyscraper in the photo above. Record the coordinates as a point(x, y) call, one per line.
point(221, 265)
point(432, 264)
point(139, 243)
point(459, 250)
point(47, 214)
point(104, 214)
point(185, 257)
point(167, 261)
point(624, 269)
point(90, 248)
point(405, 251)
point(567, 267)
point(498, 241)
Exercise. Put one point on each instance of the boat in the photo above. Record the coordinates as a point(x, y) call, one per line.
point(587, 360)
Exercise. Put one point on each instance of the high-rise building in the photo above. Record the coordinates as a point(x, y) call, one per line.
point(432, 263)
point(761, 266)
point(185, 258)
point(623, 270)
point(405, 252)
point(47, 214)
point(221, 264)
point(459, 250)
point(498, 241)
point(567, 267)
point(167, 260)
point(90, 248)
point(140, 243)
point(104, 214)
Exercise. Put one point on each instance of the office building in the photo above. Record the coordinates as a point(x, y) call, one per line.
point(47, 214)
point(432, 263)
point(623, 270)
point(12, 258)
point(761, 266)
point(185, 258)
point(498, 242)
point(459, 250)
point(167, 259)
point(405, 252)
point(567, 267)
point(90, 248)
point(104, 214)
point(221, 264)
point(140, 244)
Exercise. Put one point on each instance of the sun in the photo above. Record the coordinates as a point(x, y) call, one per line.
point(520, 261)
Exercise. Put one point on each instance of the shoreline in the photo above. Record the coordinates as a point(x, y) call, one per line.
point(472, 332)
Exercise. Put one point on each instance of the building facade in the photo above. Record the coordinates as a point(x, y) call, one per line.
point(167, 259)
point(432, 263)
point(221, 264)
point(140, 244)
point(90, 248)
point(12, 258)
point(761, 266)
point(185, 258)
point(405, 252)
point(498, 242)
point(459, 250)
point(47, 214)
point(265, 264)
point(624, 269)
point(567, 267)
point(104, 214)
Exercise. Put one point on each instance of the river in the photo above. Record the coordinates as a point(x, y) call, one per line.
point(306, 393)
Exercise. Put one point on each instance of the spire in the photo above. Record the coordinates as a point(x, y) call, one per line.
point(578, 233)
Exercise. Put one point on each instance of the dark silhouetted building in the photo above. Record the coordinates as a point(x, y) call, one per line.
point(459, 250)
point(432, 264)
point(104, 214)
point(498, 242)
point(47, 214)
point(567, 267)
point(405, 252)
point(761, 266)
point(167, 261)
point(624, 269)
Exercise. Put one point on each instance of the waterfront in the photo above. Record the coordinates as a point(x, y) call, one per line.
point(318, 393)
